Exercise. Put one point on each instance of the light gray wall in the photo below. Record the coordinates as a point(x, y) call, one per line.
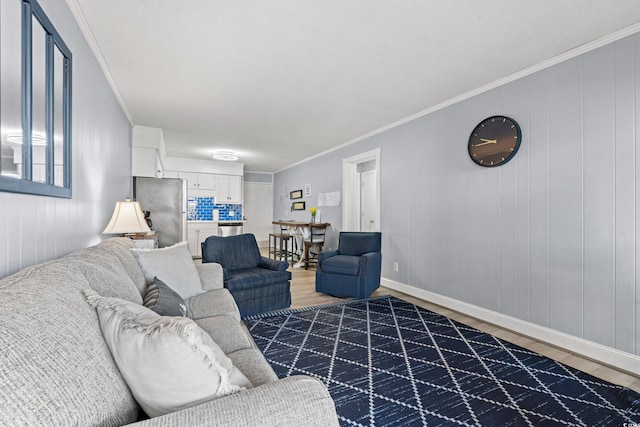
point(552, 236)
point(35, 229)
point(257, 177)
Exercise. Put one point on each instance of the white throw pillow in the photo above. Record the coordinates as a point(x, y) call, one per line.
point(174, 265)
point(169, 363)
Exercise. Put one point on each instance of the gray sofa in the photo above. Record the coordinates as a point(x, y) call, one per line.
point(57, 370)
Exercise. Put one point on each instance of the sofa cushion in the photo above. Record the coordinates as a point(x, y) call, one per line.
point(169, 363)
point(227, 332)
point(104, 272)
point(254, 366)
point(342, 264)
point(121, 247)
point(163, 300)
point(211, 303)
point(55, 367)
point(174, 265)
point(232, 252)
point(250, 278)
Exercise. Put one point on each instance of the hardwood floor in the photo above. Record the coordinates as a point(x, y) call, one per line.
point(303, 294)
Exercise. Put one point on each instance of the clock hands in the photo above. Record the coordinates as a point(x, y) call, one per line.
point(486, 141)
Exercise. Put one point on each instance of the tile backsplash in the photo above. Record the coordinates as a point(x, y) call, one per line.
point(201, 209)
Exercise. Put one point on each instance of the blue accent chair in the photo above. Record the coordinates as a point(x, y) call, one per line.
point(354, 269)
point(258, 284)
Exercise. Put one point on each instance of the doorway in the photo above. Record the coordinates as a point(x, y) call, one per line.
point(361, 188)
point(257, 210)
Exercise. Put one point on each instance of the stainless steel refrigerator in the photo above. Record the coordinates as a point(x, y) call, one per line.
point(166, 201)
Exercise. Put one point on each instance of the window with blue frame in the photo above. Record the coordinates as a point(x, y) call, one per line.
point(35, 102)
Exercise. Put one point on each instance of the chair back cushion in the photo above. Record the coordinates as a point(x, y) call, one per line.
point(232, 252)
point(359, 243)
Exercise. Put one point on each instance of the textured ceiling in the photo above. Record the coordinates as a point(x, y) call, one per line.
point(280, 81)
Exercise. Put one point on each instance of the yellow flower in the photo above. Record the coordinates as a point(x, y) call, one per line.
point(313, 211)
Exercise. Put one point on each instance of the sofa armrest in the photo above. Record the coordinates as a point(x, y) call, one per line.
point(292, 401)
point(326, 254)
point(273, 264)
point(212, 303)
point(369, 260)
point(210, 276)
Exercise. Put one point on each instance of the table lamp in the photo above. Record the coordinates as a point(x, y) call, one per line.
point(128, 219)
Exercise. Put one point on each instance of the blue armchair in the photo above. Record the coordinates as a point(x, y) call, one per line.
point(258, 284)
point(354, 269)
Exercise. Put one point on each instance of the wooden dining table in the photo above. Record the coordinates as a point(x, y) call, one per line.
point(303, 229)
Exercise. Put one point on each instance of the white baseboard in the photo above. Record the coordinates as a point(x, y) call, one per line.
point(602, 354)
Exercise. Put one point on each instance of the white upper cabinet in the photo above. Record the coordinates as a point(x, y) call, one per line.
point(144, 162)
point(191, 178)
point(229, 189)
point(207, 181)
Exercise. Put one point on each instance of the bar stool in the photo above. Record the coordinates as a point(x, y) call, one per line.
point(279, 244)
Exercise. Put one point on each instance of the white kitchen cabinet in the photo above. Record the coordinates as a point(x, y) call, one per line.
point(198, 233)
point(192, 179)
point(207, 181)
point(144, 162)
point(197, 181)
point(229, 189)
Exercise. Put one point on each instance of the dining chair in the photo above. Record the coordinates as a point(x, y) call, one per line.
point(315, 240)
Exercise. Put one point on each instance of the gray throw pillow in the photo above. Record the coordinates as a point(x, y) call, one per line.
point(163, 300)
point(169, 363)
point(174, 264)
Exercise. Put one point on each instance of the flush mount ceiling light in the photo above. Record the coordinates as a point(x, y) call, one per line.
point(227, 156)
point(38, 139)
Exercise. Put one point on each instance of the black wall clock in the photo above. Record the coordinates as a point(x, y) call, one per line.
point(494, 141)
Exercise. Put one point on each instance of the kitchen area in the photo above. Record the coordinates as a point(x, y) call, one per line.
point(186, 199)
point(214, 207)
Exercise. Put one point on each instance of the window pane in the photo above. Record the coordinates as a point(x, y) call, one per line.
point(39, 132)
point(58, 116)
point(10, 90)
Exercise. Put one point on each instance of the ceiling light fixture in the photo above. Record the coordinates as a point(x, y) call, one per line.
point(227, 156)
point(37, 138)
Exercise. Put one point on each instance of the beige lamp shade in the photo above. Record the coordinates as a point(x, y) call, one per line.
point(127, 218)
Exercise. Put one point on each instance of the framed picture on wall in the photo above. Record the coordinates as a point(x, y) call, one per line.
point(296, 194)
point(298, 206)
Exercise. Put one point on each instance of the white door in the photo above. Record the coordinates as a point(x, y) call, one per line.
point(368, 201)
point(258, 206)
point(352, 210)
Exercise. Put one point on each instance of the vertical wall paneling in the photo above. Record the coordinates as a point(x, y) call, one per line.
point(38, 229)
point(599, 193)
point(636, 88)
point(13, 240)
point(522, 209)
point(624, 193)
point(566, 197)
point(28, 236)
point(537, 137)
point(552, 236)
point(508, 218)
point(4, 226)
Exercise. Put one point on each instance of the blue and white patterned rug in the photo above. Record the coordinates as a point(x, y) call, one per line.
point(388, 362)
